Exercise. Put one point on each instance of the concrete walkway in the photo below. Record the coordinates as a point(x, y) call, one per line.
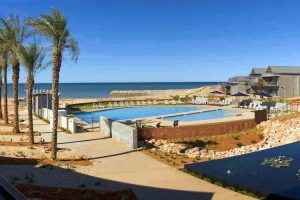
point(114, 167)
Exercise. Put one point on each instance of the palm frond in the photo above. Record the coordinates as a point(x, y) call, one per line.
point(55, 27)
point(12, 33)
point(74, 50)
point(32, 57)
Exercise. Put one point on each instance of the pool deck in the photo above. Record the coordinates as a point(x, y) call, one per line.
point(117, 168)
point(114, 167)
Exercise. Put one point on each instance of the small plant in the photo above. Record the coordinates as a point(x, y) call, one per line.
point(20, 154)
point(236, 137)
point(278, 162)
point(298, 174)
point(261, 136)
point(176, 98)
point(239, 144)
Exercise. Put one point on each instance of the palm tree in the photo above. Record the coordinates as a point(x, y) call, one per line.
point(14, 32)
point(4, 86)
point(3, 66)
point(32, 58)
point(54, 27)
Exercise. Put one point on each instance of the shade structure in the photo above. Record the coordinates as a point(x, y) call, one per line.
point(264, 94)
point(240, 94)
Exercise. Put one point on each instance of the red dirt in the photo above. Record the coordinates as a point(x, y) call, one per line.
point(233, 141)
point(287, 117)
point(8, 143)
point(33, 161)
point(218, 143)
point(53, 193)
point(226, 141)
point(12, 133)
point(80, 161)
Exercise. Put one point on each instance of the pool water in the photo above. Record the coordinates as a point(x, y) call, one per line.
point(249, 173)
point(134, 112)
point(206, 115)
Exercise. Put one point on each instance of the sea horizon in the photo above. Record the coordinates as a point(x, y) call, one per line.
point(103, 89)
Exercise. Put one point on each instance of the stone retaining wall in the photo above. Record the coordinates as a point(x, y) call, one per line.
point(195, 130)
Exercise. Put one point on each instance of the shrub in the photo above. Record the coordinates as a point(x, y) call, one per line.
point(236, 137)
point(239, 144)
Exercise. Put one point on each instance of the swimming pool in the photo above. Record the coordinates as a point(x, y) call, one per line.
point(134, 112)
point(248, 172)
point(214, 114)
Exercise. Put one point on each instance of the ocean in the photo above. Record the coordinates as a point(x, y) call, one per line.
point(94, 90)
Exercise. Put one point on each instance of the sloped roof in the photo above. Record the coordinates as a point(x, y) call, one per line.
point(240, 94)
point(258, 70)
point(284, 69)
point(237, 79)
point(276, 70)
point(269, 75)
point(217, 92)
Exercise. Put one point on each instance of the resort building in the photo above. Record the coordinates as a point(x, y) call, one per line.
point(283, 81)
point(238, 84)
point(280, 81)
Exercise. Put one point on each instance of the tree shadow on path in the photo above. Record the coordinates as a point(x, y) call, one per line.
point(55, 176)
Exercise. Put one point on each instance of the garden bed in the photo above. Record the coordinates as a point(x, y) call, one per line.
point(53, 193)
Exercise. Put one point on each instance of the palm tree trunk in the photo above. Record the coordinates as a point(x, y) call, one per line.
point(1, 85)
point(57, 56)
point(5, 110)
point(15, 78)
point(29, 84)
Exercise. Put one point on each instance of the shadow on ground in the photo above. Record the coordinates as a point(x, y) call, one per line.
point(79, 141)
point(55, 176)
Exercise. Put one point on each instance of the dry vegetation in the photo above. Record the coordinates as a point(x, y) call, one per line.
point(51, 193)
point(224, 142)
point(218, 143)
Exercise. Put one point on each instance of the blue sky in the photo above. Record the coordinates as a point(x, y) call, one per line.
point(171, 40)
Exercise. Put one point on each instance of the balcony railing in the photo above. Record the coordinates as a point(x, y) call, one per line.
point(271, 84)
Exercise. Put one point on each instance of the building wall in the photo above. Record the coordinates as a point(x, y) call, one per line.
point(241, 87)
point(289, 85)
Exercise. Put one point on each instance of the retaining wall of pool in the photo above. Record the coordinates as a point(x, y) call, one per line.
point(119, 131)
point(208, 129)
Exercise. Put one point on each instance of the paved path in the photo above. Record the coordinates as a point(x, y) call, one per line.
point(114, 167)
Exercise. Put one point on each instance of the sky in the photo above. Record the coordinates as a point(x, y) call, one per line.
point(171, 40)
